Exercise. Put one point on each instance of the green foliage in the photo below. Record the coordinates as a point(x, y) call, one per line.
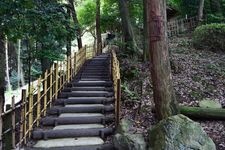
point(211, 36)
point(86, 13)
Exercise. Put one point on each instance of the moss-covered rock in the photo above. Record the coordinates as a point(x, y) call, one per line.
point(208, 103)
point(179, 133)
point(126, 140)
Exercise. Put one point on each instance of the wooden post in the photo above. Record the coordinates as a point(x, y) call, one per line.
point(75, 63)
point(38, 100)
point(45, 92)
point(25, 116)
point(118, 101)
point(22, 117)
point(51, 86)
point(60, 76)
point(56, 80)
point(30, 116)
point(68, 69)
point(13, 123)
point(85, 49)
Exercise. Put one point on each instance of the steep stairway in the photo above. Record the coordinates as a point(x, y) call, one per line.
point(81, 118)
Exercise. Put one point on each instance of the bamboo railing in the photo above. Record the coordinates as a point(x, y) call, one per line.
point(179, 26)
point(22, 118)
point(116, 84)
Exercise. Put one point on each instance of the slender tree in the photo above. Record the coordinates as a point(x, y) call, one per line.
point(9, 88)
point(164, 95)
point(146, 33)
point(2, 82)
point(98, 27)
point(200, 10)
point(75, 20)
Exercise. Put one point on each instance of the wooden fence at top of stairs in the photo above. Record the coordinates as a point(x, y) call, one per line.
point(72, 103)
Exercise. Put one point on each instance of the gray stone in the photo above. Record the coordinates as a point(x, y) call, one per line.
point(208, 103)
point(124, 126)
point(80, 115)
point(124, 140)
point(129, 141)
point(68, 142)
point(179, 133)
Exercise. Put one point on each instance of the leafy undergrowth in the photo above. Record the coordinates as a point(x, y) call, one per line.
point(197, 75)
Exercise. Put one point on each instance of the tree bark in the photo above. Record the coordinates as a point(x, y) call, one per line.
point(164, 95)
point(203, 113)
point(98, 28)
point(2, 82)
point(75, 20)
point(9, 88)
point(126, 25)
point(200, 10)
point(146, 32)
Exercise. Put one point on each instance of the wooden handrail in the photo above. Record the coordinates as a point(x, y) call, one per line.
point(116, 84)
point(36, 100)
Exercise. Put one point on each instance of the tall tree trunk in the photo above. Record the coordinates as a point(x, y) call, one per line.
point(68, 45)
point(75, 20)
point(98, 28)
point(200, 10)
point(2, 82)
point(146, 32)
point(128, 33)
point(18, 63)
point(9, 88)
point(164, 95)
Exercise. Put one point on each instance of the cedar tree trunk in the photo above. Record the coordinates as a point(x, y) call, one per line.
point(164, 95)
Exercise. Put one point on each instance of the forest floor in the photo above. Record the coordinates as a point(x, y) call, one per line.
point(197, 75)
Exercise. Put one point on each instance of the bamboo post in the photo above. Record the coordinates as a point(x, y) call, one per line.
point(30, 116)
point(85, 55)
point(38, 101)
point(51, 85)
point(75, 63)
point(60, 76)
point(118, 101)
point(22, 115)
point(68, 69)
point(13, 123)
point(45, 92)
point(25, 116)
point(56, 80)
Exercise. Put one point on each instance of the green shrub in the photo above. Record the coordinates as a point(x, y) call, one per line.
point(210, 36)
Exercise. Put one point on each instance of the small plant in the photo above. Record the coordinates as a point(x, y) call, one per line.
point(210, 36)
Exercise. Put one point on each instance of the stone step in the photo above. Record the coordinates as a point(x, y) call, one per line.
point(69, 133)
point(85, 94)
point(79, 126)
point(76, 119)
point(81, 108)
point(93, 88)
point(69, 142)
point(92, 83)
point(84, 100)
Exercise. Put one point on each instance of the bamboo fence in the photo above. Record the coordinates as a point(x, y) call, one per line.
point(20, 120)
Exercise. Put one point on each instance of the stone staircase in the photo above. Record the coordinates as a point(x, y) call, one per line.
point(83, 115)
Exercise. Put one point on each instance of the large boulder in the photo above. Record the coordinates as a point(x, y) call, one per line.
point(126, 140)
point(179, 133)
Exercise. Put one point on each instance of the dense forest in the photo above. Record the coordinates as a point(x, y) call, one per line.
point(171, 55)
